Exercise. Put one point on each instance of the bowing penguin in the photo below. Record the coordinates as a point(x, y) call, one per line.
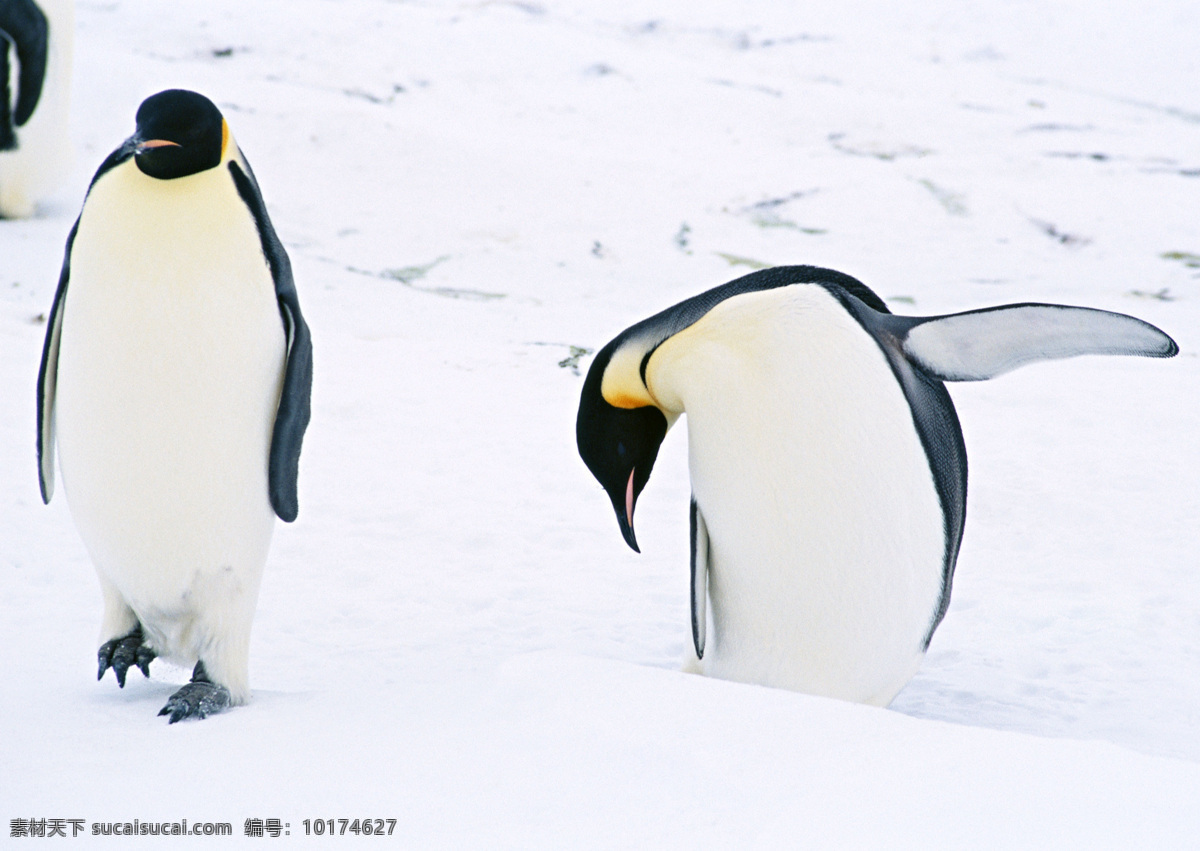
point(828, 470)
point(35, 80)
point(175, 380)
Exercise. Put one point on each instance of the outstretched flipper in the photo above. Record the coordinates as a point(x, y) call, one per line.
point(125, 652)
point(699, 579)
point(198, 699)
point(981, 344)
point(976, 345)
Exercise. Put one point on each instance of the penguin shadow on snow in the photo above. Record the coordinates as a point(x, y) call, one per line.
point(828, 468)
point(177, 453)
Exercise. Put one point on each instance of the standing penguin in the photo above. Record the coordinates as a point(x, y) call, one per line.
point(177, 372)
point(35, 86)
point(829, 474)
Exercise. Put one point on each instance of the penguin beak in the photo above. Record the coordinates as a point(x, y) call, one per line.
point(150, 144)
point(625, 514)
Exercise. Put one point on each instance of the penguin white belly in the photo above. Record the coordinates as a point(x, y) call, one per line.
point(169, 375)
point(825, 530)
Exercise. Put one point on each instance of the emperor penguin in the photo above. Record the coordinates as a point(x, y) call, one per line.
point(36, 41)
point(176, 380)
point(828, 469)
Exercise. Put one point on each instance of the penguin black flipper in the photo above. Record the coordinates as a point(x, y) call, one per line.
point(48, 377)
point(295, 402)
point(48, 370)
point(25, 24)
point(699, 561)
point(981, 344)
point(975, 345)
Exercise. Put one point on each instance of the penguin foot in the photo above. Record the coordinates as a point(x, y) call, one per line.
point(198, 699)
point(123, 653)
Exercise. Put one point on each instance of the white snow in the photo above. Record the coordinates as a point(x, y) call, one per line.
point(453, 634)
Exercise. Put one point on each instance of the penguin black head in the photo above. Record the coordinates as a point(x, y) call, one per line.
point(618, 444)
point(179, 133)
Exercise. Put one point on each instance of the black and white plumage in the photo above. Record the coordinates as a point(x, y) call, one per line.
point(829, 473)
point(35, 77)
point(175, 380)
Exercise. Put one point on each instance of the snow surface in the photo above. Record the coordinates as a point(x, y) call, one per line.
point(453, 633)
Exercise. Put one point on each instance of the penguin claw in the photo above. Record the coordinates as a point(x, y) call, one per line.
point(198, 699)
point(145, 656)
point(123, 653)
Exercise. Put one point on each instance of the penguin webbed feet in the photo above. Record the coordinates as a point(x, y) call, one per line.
point(125, 652)
point(198, 699)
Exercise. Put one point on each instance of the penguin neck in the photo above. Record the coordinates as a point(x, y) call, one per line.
point(154, 230)
point(762, 338)
point(623, 385)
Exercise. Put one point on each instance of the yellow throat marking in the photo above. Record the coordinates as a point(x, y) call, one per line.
point(622, 386)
